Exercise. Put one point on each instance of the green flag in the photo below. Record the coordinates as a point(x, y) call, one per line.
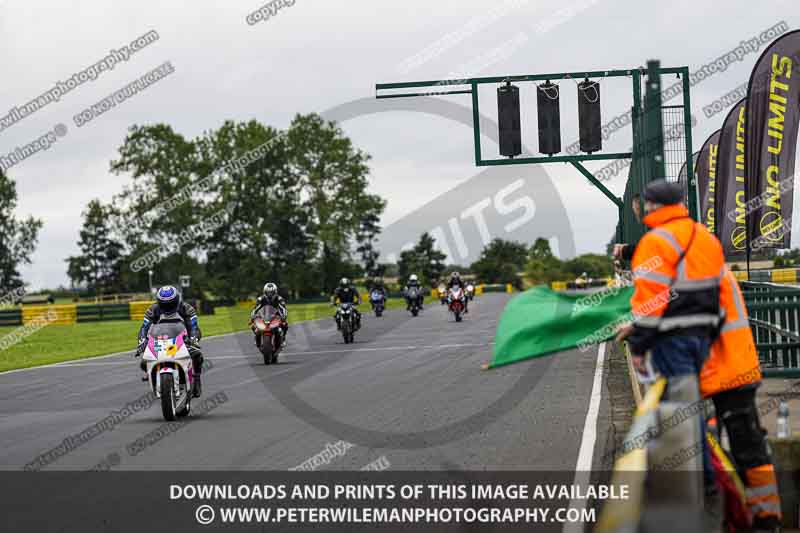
point(541, 321)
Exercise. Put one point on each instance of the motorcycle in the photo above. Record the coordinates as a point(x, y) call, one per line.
point(378, 302)
point(471, 292)
point(267, 328)
point(169, 365)
point(347, 317)
point(443, 294)
point(413, 296)
point(455, 302)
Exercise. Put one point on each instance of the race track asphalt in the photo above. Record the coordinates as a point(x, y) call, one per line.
point(410, 394)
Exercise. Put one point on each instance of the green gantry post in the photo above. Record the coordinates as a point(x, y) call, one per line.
point(654, 124)
point(691, 179)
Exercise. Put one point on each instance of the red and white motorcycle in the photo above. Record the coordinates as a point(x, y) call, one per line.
point(267, 328)
point(456, 302)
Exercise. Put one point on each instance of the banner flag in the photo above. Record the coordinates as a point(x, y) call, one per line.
point(706, 171)
point(684, 182)
point(730, 202)
point(773, 115)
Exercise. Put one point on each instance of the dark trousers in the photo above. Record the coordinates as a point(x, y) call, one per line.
point(737, 412)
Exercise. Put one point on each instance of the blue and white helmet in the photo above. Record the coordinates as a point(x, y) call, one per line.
point(169, 299)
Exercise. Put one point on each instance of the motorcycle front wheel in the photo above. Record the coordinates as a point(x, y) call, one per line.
point(266, 350)
point(167, 397)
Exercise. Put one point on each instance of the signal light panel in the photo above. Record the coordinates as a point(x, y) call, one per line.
point(509, 121)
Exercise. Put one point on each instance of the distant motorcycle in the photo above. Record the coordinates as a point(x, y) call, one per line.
point(471, 292)
point(269, 333)
point(442, 294)
point(413, 296)
point(169, 365)
point(347, 316)
point(378, 301)
point(456, 302)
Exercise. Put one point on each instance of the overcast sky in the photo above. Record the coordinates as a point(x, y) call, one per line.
point(317, 54)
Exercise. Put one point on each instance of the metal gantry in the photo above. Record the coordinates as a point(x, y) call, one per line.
point(647, 155)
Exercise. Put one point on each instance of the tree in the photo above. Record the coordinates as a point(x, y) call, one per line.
point(424, 260)
point(268, 234)
point(500, 261)
point(294, 203)
point(365, 237)
point(595, 265)
point(162, 165)
point(99, 263)
point(17, 237)
point(332, 174)
point(543, 271)
point(541, 249)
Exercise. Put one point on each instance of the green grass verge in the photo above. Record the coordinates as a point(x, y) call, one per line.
point(57, 343)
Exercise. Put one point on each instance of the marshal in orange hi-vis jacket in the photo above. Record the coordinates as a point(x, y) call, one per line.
point(733, 360)
point(679, 293)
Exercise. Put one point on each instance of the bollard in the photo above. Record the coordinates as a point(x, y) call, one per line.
point(783, 430)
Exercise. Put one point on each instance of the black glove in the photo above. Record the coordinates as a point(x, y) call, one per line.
point(140, 347)
point(194, 341)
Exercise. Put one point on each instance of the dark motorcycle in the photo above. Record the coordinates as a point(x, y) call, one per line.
point(347, 318)
point(413, 296)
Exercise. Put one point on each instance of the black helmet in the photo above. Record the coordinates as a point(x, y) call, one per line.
point(169, 299)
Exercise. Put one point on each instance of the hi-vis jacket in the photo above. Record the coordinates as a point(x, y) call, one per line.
point(733, 361)
point(677, 268)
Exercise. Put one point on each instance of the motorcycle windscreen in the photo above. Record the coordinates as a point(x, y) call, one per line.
point(267, 312)
point(167, 329)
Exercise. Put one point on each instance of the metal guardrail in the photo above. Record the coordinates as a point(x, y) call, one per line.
point(565, 285)
point(96, 313)
point(775, 275)
point(631, 467)
point(657, 464)
point(11, 317)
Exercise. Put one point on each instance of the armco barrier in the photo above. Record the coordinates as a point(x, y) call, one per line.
point(631, 467)
point(494, 287)
point(65, 314)
point(784, 275)
point(572, 285)
point(11, 317)
point(136, 309)
point(96, 313)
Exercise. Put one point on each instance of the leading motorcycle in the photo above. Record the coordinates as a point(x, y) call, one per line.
point(347, 316)
point(169, 365)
